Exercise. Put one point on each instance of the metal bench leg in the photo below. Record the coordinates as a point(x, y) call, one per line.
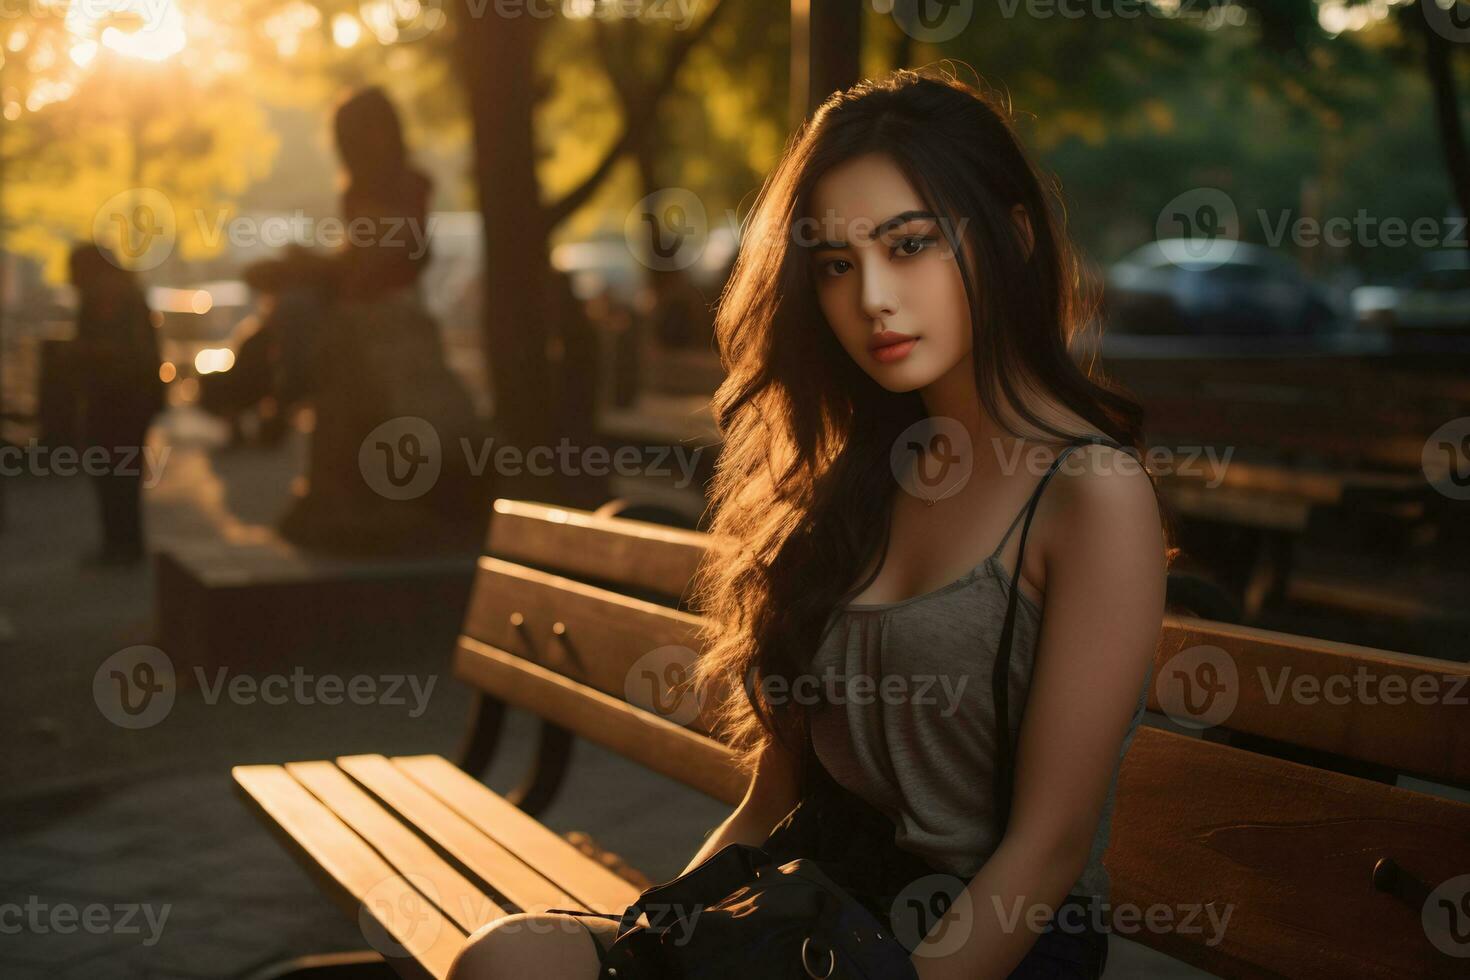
point(487, 721)
point(553, 756)
point(1266, 585)
point(363, 965)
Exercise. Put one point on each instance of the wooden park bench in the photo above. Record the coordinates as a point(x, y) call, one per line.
point(1326, 456)
point(1322, 873)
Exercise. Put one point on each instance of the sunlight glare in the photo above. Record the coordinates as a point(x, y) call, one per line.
point(158, 34)
point(83, 52)
point(346, 31)
point(287, 26)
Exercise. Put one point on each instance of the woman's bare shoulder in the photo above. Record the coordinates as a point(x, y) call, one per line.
point(1099, 488)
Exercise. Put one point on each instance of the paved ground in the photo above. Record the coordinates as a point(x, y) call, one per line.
point(125, 854)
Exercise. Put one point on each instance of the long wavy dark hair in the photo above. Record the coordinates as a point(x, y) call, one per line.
point(803, 485)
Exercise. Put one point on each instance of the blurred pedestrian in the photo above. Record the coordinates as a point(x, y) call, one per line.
point(121, 390)
point(276, 346)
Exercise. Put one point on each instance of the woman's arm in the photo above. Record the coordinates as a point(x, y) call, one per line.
point(1105, 577)
point(773, 791)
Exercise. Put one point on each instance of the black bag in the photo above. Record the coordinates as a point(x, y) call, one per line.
point(774, 921)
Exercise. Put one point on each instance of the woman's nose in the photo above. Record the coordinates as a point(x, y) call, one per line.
point(879, 295)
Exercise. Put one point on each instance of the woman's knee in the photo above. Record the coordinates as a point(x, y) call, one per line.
point(528, 944)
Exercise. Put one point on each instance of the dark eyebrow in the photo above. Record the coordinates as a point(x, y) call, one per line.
point(901, 218)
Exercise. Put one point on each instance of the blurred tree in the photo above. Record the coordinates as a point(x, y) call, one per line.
point(539, 347)
point(1285, 104)
point(95, 108)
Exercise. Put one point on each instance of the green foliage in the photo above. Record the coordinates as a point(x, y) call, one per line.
point(1267, 106)
point(1251, 96)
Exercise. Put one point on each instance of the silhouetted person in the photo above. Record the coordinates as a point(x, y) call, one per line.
point(121, 390)
point(385, 205)
point(387, 407)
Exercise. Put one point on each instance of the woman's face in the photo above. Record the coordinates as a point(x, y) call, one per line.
point(885, 276)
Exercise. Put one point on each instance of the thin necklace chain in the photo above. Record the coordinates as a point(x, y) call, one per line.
point(931, 501)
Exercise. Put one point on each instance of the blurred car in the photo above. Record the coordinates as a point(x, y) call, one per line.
point(196, 328)
point(1432, 299)
point(1180, 287)
point(608, 264)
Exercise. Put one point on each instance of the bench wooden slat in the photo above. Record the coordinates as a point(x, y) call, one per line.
point(499, 868)
point(1350, 406)
point(352, 872)
point(458, 897)
point(1292, 848)
point(1425, 736)
point(594, 886)
point(615, 549)
point(1339, 592)
point(642, 736)
point(590, 634)
point(1247, 508)
point(1316, 486)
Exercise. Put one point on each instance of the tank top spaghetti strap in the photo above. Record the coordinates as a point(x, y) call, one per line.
point(941, 774)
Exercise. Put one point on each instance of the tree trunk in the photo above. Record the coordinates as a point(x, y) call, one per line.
point(1447, 110)
point(826, 45)
point(497, 68)
point(540, 351)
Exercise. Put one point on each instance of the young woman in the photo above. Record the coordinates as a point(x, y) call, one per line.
point(900, 393)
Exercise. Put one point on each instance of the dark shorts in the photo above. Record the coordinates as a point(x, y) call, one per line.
point(853, 842)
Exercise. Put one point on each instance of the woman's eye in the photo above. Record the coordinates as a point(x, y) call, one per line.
point(918, 243)
point(908, 246)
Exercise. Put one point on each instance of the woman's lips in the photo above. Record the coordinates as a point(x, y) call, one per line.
point(889, 353)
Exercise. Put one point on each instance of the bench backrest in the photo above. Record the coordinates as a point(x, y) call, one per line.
point(575, 617)
point(1342, 410)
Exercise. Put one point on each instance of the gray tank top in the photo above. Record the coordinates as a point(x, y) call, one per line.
point(915, 737)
